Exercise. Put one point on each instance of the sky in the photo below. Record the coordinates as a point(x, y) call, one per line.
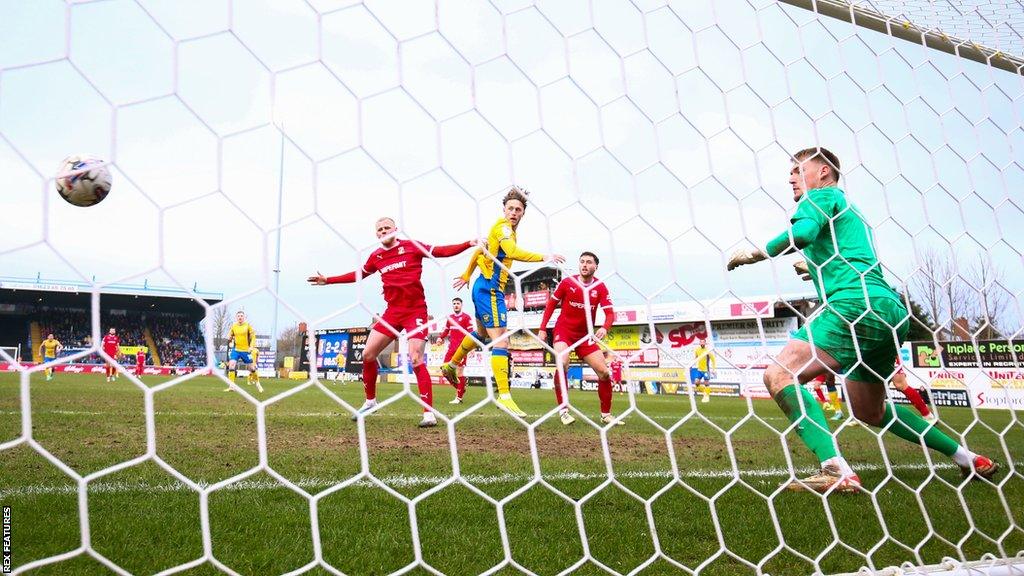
point(654, 133)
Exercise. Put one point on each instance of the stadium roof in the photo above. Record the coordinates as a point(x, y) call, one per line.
point(76, 293)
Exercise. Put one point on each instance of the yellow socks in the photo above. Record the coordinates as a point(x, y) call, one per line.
point(467, 346)
point(499, 365)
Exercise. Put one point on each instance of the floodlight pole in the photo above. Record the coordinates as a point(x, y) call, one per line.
point(277, 257)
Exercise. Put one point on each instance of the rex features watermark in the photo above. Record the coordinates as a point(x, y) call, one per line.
point(5, 567)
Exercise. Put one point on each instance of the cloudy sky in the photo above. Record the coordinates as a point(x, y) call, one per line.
point(653, 133)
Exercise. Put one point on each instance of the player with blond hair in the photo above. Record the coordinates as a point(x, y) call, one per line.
point(241, 340)
point(494, 260)
point(400, 263)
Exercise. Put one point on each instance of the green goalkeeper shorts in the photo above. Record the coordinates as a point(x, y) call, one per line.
point(843, 327)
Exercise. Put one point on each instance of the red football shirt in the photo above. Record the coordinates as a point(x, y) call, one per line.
point(457, 327)
point(616, 368)
point(400, 267)
point(140, 358)
point(110, 344)
point(573, 296)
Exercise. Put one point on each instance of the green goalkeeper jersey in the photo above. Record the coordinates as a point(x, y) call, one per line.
point(823, 225)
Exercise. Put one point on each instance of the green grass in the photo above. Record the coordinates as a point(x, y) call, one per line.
point(146, 520)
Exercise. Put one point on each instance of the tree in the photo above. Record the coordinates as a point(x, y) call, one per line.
point(945, 293)
point(993, 305)
point(937, 286)
point(289, 343)
point(219, 324)
point(921, 324)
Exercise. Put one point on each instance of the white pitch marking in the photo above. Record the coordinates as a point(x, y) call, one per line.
point(413, 481)
point(327, 415)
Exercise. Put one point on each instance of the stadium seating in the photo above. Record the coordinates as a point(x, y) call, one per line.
point(179, 341)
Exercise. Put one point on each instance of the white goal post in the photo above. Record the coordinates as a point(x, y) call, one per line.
point(658, 133)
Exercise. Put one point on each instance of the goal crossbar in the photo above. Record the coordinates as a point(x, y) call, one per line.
point(909, 31)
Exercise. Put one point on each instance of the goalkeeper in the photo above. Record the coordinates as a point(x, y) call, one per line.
point(860, 313)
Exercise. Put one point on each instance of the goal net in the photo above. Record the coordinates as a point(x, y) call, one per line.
point(255, 143)
point(991, 33)
point(11, 353)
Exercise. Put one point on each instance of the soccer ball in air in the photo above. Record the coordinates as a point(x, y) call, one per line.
point(83, 180)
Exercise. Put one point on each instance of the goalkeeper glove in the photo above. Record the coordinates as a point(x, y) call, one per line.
point(802, 269)
point(746, 256)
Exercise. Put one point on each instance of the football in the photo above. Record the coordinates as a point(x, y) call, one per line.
point(83, 180)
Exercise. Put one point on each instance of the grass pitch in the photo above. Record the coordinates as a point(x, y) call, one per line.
point(145, 520)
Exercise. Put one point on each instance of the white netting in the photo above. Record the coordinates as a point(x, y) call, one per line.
point(656, 133)
point(997, 25)
point(980, 30)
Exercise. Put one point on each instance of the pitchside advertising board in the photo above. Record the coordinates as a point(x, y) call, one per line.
point(742, 348)
point(339, 350)
point(332, 350)
point(99, 369)
point(267, 357)
point(989, 374)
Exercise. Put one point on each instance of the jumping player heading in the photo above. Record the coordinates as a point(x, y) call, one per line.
point(400, 263)
point(579, 297)
point(494, 261)
point(857, 330)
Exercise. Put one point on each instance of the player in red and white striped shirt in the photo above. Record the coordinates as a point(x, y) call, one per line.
point(456, 328)
point(579, 297)
point(400, 263)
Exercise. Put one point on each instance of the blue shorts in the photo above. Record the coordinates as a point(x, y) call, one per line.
point(48, 359)
point(243, 356)
point(489, 304)
point(698, 374)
